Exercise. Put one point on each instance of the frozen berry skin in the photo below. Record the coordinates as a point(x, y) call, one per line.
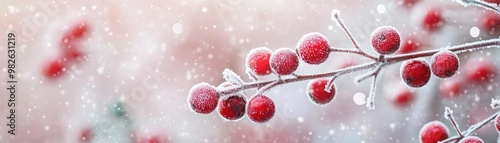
point(433, 20)
point(497, 123)
point(233, 107)
point(403, 97)
point(284, 61)
point(54, 68)
point(260, 108)
point(317, 93)
point(480, 71)
point(313, 48)
point(257, 61)
point(444, 64)
point(203, 98)
point(416, 72)
point(410, 44)
point(451, 87)
point(490, 22)
point(385, 40)
point(471, 139)
point(433, 132)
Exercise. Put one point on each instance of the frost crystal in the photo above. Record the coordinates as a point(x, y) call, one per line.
point(447, 112)
point(495, 103)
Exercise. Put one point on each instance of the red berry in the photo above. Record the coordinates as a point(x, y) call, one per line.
point(410, 44)
point(72, 54)
point(257, 61)
point(317, 93)
point(433, 20)
point(402, 97)
point(260, 108)
point(444, 64)
point(433, 132)
point(54, 69)
point(233, 107)
point(471, 139)
point(203, 98)
point(415, 73)
point(386, 40)
point(480, 71)
point(86, 135)
point(313, 48)
point(284, 61)
point(490, 22)
point(493, 1)
point(451, 87)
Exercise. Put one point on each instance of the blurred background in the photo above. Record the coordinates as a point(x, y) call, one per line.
point(120, 71)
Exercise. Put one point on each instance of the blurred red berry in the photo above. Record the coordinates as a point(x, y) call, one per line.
point(410, 44)
point(497, 123)
point(471, 139)
point(260, 108)
point(403, 97)
point(451, 87)
point(257, 61)
point(415, 73)
point(490, 22)
point(493, 1)
point(433, 132)
point(444, 64)
point(385, 40)
point(86, 135)
point(284, 61)
point(313, 48)
point(77, 31)
point(433, 20)
point(203, 98)
point(480, 71)
point(54, 68)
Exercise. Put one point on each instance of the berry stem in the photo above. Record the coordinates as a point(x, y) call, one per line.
point(370, 101)
point(481, 3)
point(336, 17)
point(472, 128)
point(449, 115)
point(357, 51)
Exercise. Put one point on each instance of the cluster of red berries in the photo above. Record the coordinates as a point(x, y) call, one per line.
point(312, 48)
point(70, 49)
point(436, 131)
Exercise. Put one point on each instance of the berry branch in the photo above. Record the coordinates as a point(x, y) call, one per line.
point(314, 48)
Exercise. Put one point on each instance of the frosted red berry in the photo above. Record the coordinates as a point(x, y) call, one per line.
point(313, 48)
point(416, 72)
point(385, 40)
point(490, 22)
point(54, 68)
point(203, 98)
point(233, 107)
point(402, 97)
point(257, 61)
point(410, 44)
point(317, 93)
point(497, 123)
point(284, 61)
point(451, 87)
point(444, 64)
point(433, 132)
point(260, 108)
point(433, 20)
point(471, 139)
point(480, 71)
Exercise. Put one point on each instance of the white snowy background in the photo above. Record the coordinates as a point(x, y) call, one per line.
point(148, 54)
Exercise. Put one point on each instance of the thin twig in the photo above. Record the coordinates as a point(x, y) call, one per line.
point(336, 18)
point(353, 51)
point(448, 113)
point(370, 101)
